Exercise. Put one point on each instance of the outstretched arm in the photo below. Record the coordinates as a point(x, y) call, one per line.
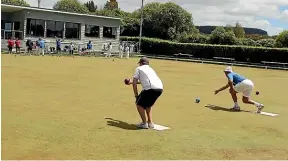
point(229, 84)
point(222, 88)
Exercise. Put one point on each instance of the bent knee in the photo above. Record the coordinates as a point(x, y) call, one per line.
point(245, 100)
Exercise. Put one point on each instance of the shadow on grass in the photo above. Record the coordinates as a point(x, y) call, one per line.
point(219, 108)
point(121, 124)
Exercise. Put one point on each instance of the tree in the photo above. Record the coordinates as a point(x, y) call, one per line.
point(70, 6)
point(282, 39)
point(112, 4)
point(16, 2)
point(217, 36)
point(229, 28)
point(91, 6)
point(239, 31)
point(220, 36)
point(229, 38)
point(165, 21)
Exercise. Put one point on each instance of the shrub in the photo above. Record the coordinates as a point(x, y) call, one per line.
point(208, 51)
point(194, 38)
point(248, 42)
point(221, 36)
point(267, 42)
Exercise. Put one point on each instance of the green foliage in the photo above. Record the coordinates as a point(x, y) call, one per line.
point(267, 42)
point(193, 38)
point(70, 6)
point(111, 5)
point(229, 28)
point(91, 6)
point(220, 36)
point(166, 21)
point(208, 51)
point(282, 39)
point(256, 37)
point(239, 31)
point(16, 2)
point(248, 42)
point(229, 38)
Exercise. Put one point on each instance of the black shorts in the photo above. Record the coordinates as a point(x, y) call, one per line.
point(147, 98)
point(10, 48)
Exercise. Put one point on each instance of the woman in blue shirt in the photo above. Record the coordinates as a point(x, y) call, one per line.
point(239, 84)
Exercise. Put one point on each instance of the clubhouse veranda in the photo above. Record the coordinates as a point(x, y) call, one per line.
point(31, 22)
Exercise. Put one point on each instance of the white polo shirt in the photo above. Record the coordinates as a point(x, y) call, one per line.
point(110, 47)
point(148, 78)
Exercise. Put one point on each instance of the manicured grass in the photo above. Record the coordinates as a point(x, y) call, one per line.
point(54, 108)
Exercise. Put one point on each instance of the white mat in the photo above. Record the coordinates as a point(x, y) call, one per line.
point(160, 127)
point(269, 114)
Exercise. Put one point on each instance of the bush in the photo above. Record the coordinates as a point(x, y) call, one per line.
point(221, 36)
point(193, 38)
point(248, 42)
point(267, 42)
point(208, 51)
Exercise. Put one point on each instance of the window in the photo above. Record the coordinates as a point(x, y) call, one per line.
point(8, 26)
point(55, 28)
point(72, 30)
point(35, 27)
point(16, 25)
point(109, 32)
point(2, 24)
point(91, 31)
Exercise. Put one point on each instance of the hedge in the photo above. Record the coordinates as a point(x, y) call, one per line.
point(208, 51)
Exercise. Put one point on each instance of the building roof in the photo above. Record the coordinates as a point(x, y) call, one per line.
point(13, 8)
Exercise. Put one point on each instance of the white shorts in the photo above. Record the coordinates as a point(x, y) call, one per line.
point(245, 87)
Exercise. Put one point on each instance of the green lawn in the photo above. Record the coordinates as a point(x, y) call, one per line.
point(54, 108)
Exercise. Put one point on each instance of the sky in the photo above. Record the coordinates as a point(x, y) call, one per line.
point(269, 15)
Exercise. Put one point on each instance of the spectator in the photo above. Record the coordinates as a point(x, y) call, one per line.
point(38, 46)
point(18, 44)
point(89, 45)
point(58, 45)
point(131, 48)
point(121, 48)
point(10, 45)
point(41, 46)
point(127, 49)
point(109, 50)
point(71, 48)
point(29, 45)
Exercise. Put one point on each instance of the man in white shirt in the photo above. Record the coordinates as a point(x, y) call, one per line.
point(152, 88)
point(121, 50)
point(109, 50)
point(127, 49)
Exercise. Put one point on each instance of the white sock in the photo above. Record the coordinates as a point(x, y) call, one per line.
point(236, 104)
point(257, 104)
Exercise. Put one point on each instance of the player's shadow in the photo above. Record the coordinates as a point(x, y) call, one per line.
point(121, 124)
point(219, 108)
